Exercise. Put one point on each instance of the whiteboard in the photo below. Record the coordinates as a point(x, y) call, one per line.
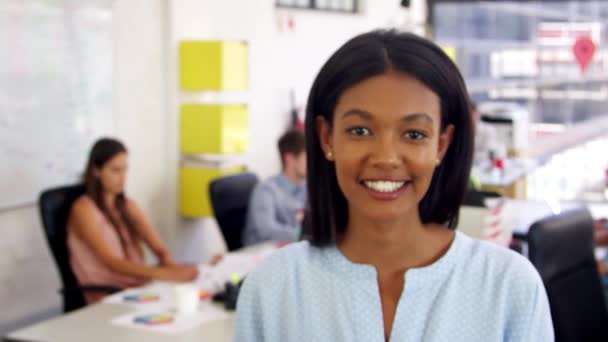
point(55, 92)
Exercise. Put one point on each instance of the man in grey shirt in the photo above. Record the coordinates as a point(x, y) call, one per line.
point(276, 207)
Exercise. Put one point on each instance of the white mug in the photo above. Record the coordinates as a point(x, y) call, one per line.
point(186, 299)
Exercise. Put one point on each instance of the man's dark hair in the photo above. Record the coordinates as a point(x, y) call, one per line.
point(291, 142)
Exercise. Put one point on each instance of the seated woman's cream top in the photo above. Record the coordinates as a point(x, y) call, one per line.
point(87, 266)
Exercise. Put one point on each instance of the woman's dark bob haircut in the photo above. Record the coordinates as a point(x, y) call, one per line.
point(372, 54)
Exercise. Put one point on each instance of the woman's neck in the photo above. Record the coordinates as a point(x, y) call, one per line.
point(109, 200)
point(394, 246)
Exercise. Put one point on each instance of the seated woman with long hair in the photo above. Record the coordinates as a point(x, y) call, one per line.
point(106, 229)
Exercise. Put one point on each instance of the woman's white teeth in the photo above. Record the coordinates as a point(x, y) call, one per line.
point(383, 186)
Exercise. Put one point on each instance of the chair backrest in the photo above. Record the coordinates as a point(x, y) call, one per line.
point(561, 248)
point(54, 205)
point(230, 199)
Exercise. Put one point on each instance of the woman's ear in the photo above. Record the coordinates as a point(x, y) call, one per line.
point(324, 133)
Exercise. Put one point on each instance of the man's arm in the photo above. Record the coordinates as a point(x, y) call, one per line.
point(263, 216)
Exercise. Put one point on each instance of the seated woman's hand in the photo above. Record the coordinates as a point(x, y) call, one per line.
point(180, 273)
point(167, 260)
point(138, 282)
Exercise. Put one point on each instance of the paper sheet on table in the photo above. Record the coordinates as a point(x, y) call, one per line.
point(164, 291)
point(213, 278)
point(179, 324)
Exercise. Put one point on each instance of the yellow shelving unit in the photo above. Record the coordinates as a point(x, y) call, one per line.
point(217, 129)
point(213, 65)
point(213, 129)
point(194, 188)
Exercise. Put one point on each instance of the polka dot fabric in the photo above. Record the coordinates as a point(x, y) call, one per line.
point(475, 292)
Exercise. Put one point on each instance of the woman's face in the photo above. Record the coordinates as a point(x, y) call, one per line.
point(113, 174)
point(385, 142)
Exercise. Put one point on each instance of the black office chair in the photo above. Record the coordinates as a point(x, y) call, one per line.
point(230, 199)
point(561, 248)
point(54, 205)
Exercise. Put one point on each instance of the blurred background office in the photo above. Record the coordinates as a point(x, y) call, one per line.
point(536, 69)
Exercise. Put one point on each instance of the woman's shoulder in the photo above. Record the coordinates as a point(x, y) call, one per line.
point(83, 213)
point(131, 205)
point(84, 205)
point(288, 257)
point(282, 267)
point(498, 262)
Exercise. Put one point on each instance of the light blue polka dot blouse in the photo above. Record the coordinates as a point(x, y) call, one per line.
point(475, 292)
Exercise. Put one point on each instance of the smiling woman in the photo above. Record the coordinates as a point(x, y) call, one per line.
point(389, 148)
point(386, 140)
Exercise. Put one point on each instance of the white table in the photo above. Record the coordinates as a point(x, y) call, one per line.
point(92, 324)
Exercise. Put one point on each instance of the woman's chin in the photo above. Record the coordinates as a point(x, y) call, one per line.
point(384, 217)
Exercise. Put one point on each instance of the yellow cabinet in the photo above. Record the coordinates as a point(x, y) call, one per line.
point(213, 129)
point(214, 65)
point(194, 188)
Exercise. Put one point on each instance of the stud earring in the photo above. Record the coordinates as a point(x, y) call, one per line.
point(437, 162)
point(330, 155)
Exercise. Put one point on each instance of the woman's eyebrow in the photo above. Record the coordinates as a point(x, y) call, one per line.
point(358, 112)
point(417, 117)
point(366, 115)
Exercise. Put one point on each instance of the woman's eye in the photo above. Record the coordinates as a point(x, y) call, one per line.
point(415, 135)
point(359, 131)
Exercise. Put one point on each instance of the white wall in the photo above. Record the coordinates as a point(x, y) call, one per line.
point(28, 278)
point(140, 104)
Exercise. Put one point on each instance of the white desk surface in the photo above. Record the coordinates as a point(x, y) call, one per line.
point(92, 324)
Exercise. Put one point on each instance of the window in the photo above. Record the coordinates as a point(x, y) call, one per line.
point(523, 52)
